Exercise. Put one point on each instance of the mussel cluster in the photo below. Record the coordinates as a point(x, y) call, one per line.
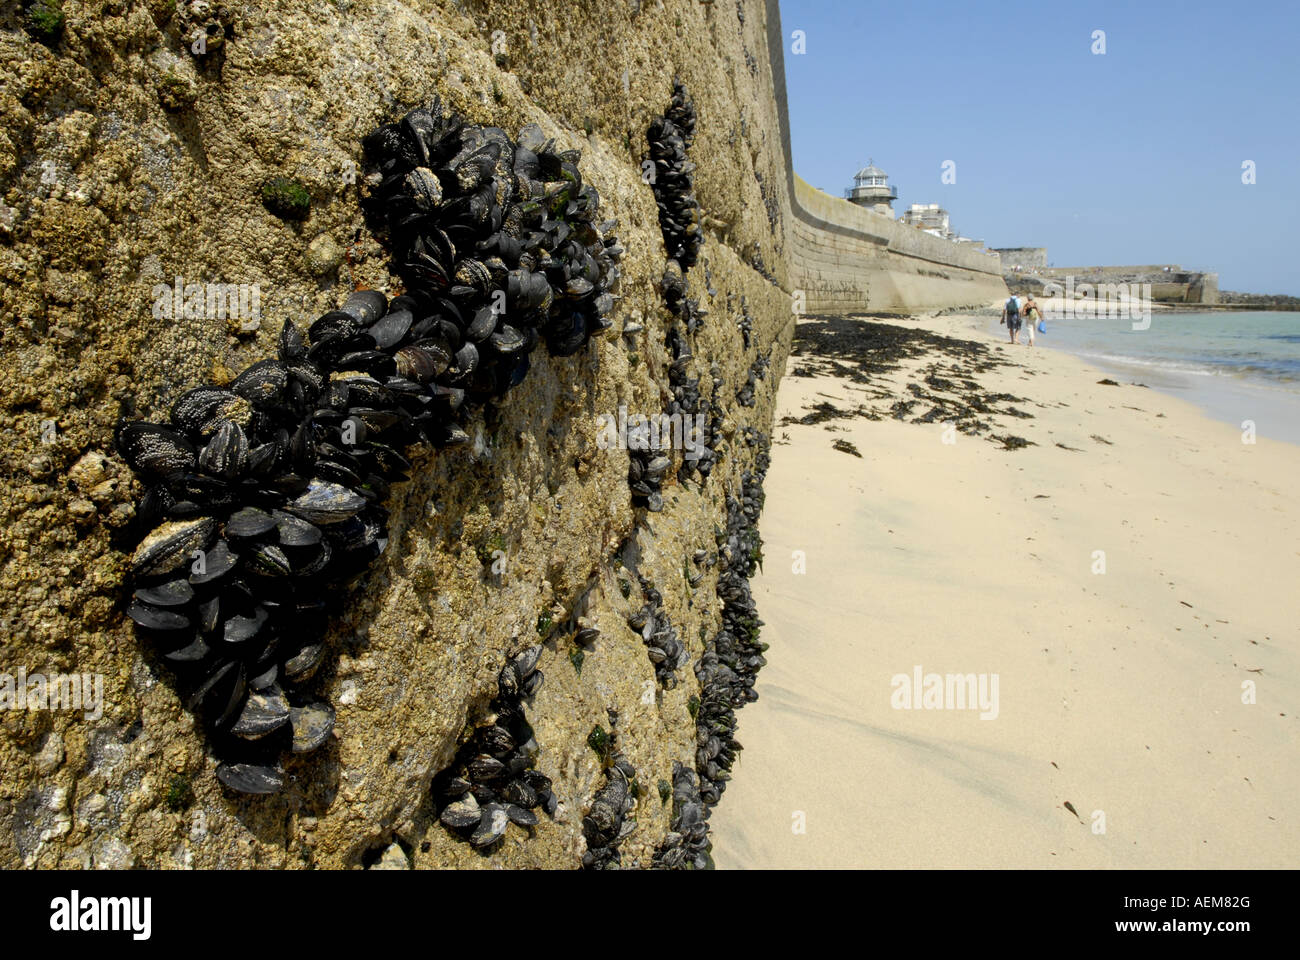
point(493, 781)
point(757, 371)
point(715, 437)
point(772, 205)
point(607, 822)
point(265, 496)
point(669, 137)
point(663, 647)
point(500, 237)
point(675, 289)
point(687, 402)
point(646, 467)
point(745, 323)
point(731, 660)
point(687, 845)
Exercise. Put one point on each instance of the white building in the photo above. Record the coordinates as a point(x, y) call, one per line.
point(931, 218)
point(871, 189)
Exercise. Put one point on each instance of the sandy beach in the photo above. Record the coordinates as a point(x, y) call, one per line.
point(1126, 585)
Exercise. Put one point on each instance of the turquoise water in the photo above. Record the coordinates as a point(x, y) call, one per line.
point(1234, 366)
point(1263, 347)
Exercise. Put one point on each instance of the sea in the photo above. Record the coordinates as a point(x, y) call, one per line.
point(1234, 365)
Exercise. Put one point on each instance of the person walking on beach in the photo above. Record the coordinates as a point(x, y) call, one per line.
point(1032, 316)
point(1011, 317)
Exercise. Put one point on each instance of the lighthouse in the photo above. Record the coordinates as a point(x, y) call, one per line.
point(871, 189)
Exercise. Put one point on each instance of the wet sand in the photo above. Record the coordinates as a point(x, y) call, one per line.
point(1120, 737)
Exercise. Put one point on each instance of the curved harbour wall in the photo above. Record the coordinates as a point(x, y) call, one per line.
point(131, 175)
point(846, 259)
point(849, 260)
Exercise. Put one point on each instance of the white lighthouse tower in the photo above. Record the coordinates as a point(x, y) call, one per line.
point(871, 189)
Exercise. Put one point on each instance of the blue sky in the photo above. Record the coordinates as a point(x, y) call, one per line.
point(1134, 156)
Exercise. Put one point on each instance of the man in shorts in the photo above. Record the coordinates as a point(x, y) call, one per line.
point(1011, 317)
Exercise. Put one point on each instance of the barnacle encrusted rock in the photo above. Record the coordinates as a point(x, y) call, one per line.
point(112, 208)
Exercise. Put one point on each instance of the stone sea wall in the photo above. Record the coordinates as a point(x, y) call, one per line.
point(137, 137)
point(849, 260)
point(127, 161)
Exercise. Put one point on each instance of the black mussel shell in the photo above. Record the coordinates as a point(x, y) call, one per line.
point(154, 451)
point(311, 726)
point(521, 815)
point(157, 618)
point(199, 412)
point(484, 767)
point(335, 325)
point(326, 503)
point(481, 327)
point(293, 347)
point(492, 826)
point(172, 593)
point(526, 662)
point(520, 794)
point(497, 741)
point(192, 652)
point(364, 306)
point(250, 778)
point(389, 330)
point(508, 340)
point(249, 522)
point(455, 787)
point(263, 383)
point(304, 662)
point(294, 531)
point(226, 454)
point(238, 629)
point(268, 560)
point(264, 711)
point(213, 564)
point(171, 546)
point(462, 814)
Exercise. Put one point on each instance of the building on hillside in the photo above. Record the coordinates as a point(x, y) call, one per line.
point(871, 190)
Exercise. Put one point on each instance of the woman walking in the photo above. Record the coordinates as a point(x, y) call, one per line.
point(1032, 316)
